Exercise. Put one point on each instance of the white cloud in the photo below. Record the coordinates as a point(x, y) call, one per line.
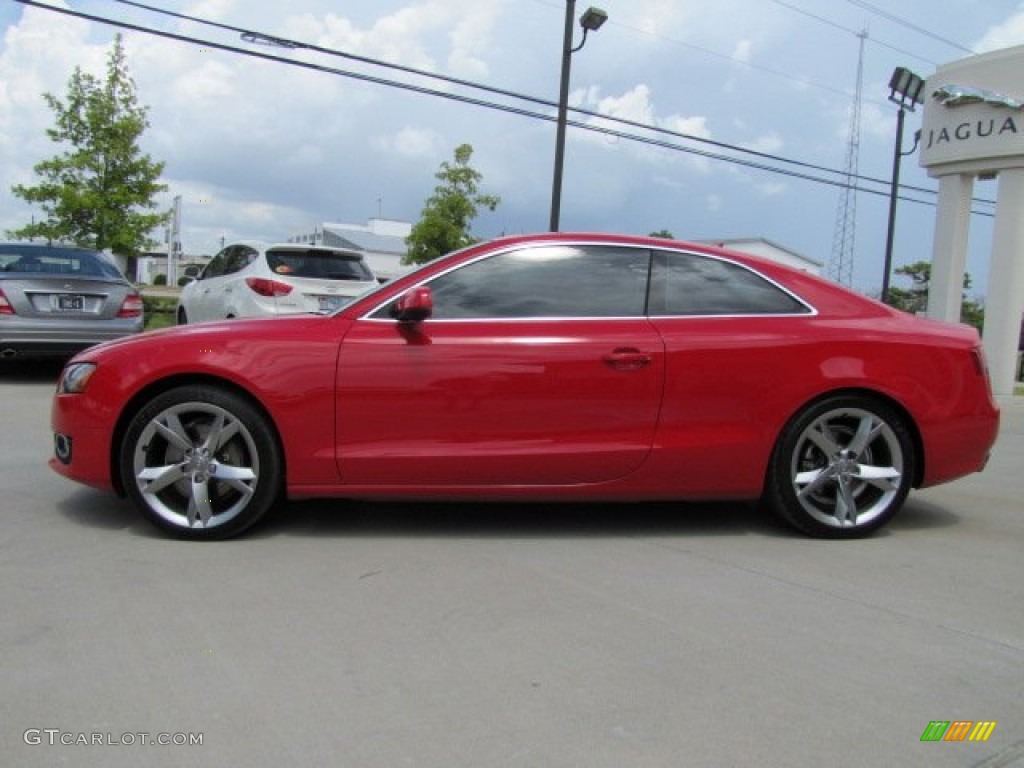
point(743, 52)
point(471, 38)
point(654, 16)
point(769, 143)
point(411, 142)
point(1004, 35)
point(636, 105)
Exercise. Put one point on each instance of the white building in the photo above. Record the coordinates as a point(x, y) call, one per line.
point(759, 246)
point(144, 269)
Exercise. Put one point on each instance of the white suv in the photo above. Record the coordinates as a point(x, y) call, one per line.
point(251, 279)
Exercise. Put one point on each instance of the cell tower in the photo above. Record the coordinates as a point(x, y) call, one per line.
point(844, 237)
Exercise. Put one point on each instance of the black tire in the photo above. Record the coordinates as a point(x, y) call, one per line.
point(182, 317)
point(201, 462)
point(842, 467)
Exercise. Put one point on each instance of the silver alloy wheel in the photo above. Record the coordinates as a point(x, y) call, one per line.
point(196, 465)
point(847, 468)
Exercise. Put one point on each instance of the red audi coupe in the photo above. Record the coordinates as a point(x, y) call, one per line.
point(546, 367)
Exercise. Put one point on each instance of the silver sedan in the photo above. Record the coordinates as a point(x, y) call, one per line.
point(57, 300)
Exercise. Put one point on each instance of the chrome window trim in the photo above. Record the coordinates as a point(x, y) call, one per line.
point(812, 311)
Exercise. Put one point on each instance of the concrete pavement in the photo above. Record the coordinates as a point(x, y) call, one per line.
point(429, 635)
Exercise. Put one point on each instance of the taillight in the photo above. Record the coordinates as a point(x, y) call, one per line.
point(265, 287)
point(980, 363)
point(5, 305)
point(131, 306)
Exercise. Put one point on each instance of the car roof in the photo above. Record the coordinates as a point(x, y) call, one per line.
point(263, 246)
point(46, 247)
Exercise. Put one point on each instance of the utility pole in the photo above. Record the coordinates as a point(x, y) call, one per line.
point(174, 243)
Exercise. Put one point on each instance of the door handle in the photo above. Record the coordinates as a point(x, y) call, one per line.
point(627, 359)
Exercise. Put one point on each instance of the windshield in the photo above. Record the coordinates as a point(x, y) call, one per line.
point(65, 262)
point(318, 263)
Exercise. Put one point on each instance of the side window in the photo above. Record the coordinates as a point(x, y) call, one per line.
point(240, 257)
point(546, 281)
point(216, 266)
point(691, 284)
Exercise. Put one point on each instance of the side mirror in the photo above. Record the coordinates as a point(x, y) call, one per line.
point(414, 306)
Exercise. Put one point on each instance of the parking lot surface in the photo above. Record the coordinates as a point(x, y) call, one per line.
point(385, 635)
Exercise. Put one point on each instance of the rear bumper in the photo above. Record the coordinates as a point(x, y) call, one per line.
point(25, 337)
point(959, 447)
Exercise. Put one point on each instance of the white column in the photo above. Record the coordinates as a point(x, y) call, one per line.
point(949, 248)
point(1004, 303)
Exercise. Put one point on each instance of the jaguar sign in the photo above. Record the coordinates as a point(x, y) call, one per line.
point(971, 124)
point(973, 127)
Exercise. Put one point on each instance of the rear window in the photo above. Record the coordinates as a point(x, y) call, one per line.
point(318, 263)
point(55, 261)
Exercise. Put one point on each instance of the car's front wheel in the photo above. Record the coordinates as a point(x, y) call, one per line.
point(201, 462)
point(842, 467)
point(182, 317)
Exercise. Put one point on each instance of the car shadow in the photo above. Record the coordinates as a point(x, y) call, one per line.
point(493, 520)
point(518, 520)
point(30, 371)
point(97, 509)
point(918, 515)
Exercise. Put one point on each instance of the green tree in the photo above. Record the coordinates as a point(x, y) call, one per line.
point(98, 192)
point(915, 298)
point(663, 233)
point(445, 220)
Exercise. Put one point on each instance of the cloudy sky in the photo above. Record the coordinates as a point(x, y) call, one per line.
point(264, 149)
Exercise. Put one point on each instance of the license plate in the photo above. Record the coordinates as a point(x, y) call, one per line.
point(330, 303)
point(67, 303)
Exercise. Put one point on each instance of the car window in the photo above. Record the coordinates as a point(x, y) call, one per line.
point(216, 266)
point(691, 284)
point(320, 263)
point(239, 257)
point(545, 281)
point(65, 262)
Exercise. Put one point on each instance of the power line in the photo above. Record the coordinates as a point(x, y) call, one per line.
point(523, 112)
point(852, 31)
point(287, 43)
point(909, 25)
point(262, 37)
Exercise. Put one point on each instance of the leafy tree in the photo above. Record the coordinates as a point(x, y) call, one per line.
point(663, 233)
point(97, 192)
point(915, 298)
point(444, 222)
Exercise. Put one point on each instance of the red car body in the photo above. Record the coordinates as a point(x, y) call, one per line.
point(610, 408)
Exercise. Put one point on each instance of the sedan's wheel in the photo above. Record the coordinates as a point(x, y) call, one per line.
point(182, 317)
point(842, 468)
point(201, 462)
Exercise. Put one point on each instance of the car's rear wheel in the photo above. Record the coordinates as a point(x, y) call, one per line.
point(182, 317)
point(201, 462)
point(842, 467)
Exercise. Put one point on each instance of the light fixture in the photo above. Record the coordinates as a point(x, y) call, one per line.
point(905, 90)
point(593, 18)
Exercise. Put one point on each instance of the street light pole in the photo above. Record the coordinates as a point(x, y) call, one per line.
point(905, 91)
point(563, 109)
point(591, 20)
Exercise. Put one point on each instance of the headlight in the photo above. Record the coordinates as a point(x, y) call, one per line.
point(75, 378)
